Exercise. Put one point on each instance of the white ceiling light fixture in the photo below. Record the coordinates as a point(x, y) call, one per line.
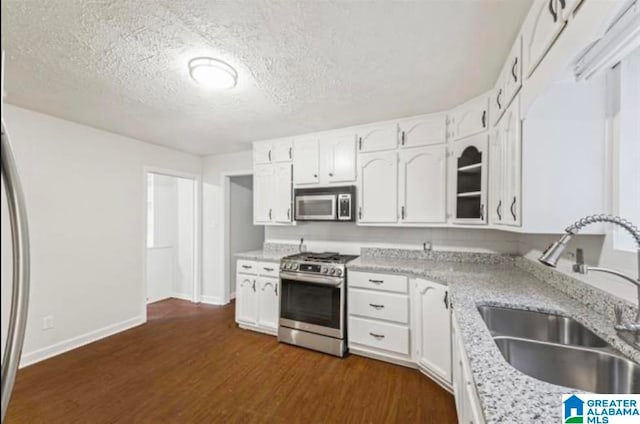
point(213, 73)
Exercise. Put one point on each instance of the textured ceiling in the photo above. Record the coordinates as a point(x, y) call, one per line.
point(304, 66)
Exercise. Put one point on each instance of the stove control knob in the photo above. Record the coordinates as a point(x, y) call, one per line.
point(324, 270)
point(294, 266)
point(338, 272)
point(332, 271)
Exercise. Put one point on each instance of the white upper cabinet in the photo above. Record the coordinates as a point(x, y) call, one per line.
point(539, 31)
point(469, 119)
point(423, 185)
point(469, 180)
point(282, 151)
point(512, 74)
point(306, 163)
point(424, 130)
point(282, 203)
point(432, 328)
point(263, 177)
point(272, 151)
point(378, 137)
point(378, 188)
point(512, 151)
point(268, 312)
point(339, 153)
point(262, 152)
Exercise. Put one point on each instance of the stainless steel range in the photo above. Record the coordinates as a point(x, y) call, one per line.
point(313, 301)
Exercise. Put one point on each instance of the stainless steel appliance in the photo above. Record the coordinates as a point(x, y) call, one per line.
point(313, 301)
point(325, 203)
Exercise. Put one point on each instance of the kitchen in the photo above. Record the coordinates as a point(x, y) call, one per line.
point(474, 235)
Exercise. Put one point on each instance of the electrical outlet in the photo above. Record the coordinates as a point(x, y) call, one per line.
point(47, 322)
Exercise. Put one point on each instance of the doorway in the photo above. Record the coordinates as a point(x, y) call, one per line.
point(171, 239)
point(241, 234)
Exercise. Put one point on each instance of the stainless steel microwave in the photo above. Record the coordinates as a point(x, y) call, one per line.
point(325, 203)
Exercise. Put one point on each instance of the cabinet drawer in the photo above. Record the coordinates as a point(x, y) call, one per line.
point(394, 338)
point(379, 305)
point(370, 280)
point(247, 267)
point(268, 269)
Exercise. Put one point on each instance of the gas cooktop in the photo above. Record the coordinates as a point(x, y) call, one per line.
point(331, 263)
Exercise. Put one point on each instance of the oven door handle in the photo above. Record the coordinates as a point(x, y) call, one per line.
point(323, 280)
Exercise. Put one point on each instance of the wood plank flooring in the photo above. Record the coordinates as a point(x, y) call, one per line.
point(191, 364)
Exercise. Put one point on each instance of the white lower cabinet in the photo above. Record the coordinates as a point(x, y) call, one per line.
point(432, 329)
point(466, 398)
point(379, 311)
point(257, 296)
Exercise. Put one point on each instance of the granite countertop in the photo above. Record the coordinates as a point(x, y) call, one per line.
point(506, 395)
point(270, 252)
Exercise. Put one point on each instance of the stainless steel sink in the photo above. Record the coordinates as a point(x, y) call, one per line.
point(560, 350)
point(584, 369)
point(539, 326)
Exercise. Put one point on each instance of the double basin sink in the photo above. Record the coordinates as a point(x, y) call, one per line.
point(560, 350)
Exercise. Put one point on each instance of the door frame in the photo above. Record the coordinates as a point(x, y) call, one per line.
point(197, 233)
point(225, 183)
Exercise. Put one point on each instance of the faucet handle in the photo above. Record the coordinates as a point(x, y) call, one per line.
point(618, 313)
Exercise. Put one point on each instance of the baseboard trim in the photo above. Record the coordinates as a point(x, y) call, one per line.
point(182, 296)
point(212, 300)
point(56, 349)
point(232, 296)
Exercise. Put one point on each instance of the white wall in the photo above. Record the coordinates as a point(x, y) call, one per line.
point(213, 209)
point(243, 235)
point(183, 286)
point(84, 191)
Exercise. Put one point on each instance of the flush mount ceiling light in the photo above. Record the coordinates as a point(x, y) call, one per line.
point(213, 73)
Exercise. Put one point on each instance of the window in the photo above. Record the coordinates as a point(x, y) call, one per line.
point(626, 156)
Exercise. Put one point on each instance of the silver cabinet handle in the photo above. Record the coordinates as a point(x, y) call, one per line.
point(315, 175)
point(403, 138)
point(482, 211)
point(553, 12)
point(21, 270)
point(331, 174)
point(498, 210)
point(377, 336)
point(446, 299)
point(513, 70)
point(290, 153)
point(402, 212)
point(375, 306)
point(270, 214)
point(268, 269)
point(376, 281)
point(513, 207)
point(253, 286)
point(289, 214)
point(269, 155)
point(247, 266)
point(359, 143)
point(360, 212)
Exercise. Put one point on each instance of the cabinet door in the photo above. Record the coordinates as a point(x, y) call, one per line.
point(246, 300)
point(341, 158)
point(282, 151)
point(457, 374)
point(512, 178)
point(306, 161)
point(469, 180)
point(434, 328)
point(379, 137)
point(423, 131)
point(378, 197)
point(513, 73)
point(262, 193)
point(268, 298)
point(282, 198)
point(496, 175)
point(262, 152)
point(469, 119)
point(423, 184)
point(539, 31)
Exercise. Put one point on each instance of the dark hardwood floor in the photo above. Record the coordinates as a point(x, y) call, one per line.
point(191, 364)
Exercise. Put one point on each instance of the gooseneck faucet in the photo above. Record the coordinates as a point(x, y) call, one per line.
point(553, 253)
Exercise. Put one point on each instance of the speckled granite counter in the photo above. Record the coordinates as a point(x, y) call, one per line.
point(506, 395)
point(270, 252)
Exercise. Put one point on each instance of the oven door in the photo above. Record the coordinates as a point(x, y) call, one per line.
point(316, 207)
point(312, 303)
